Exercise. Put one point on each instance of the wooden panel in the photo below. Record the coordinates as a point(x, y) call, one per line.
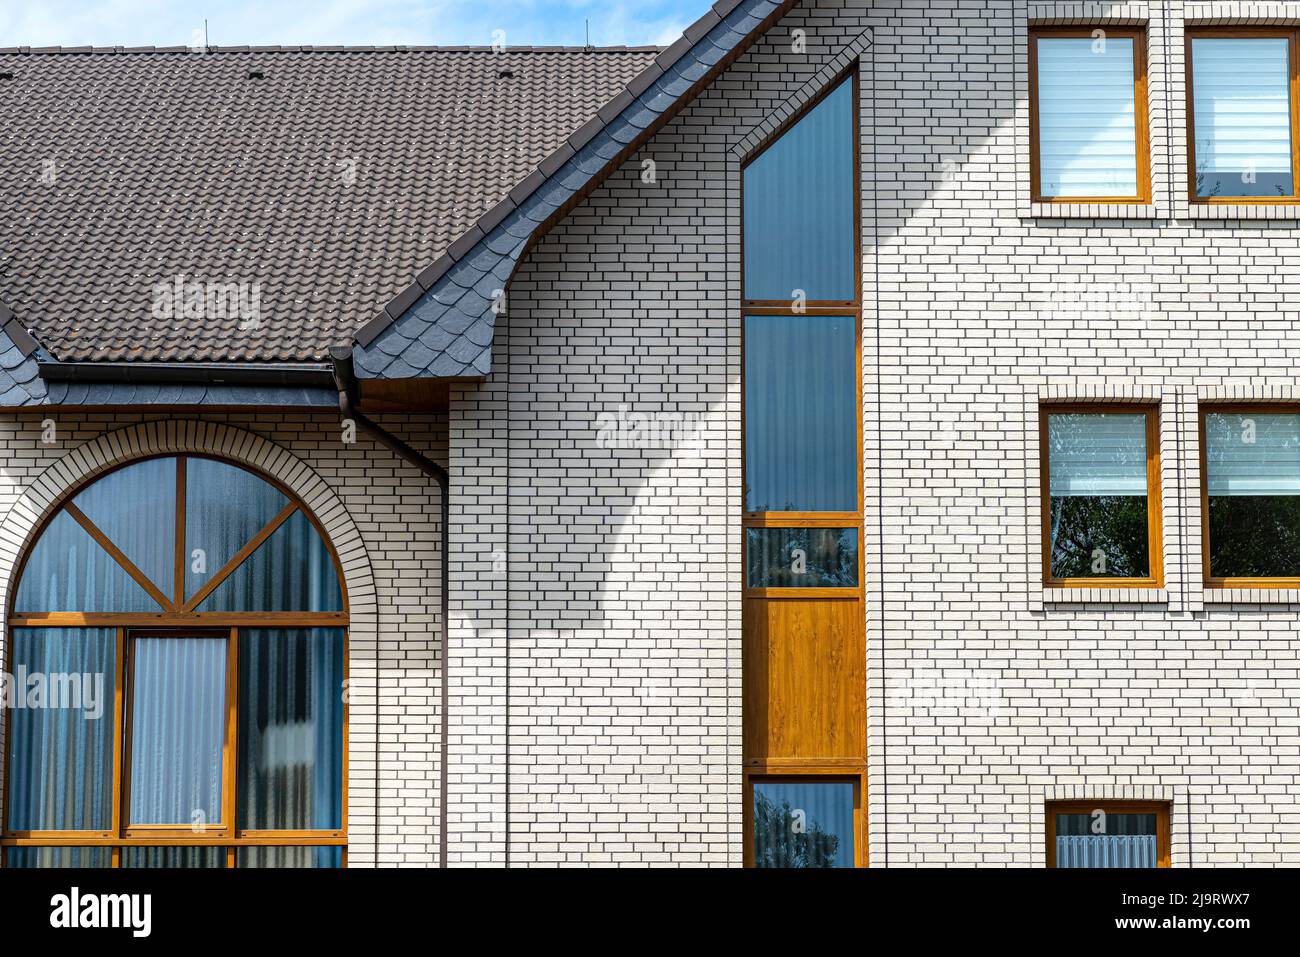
point(805, 680)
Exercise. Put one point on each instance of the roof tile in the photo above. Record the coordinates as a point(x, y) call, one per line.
point(327, 186)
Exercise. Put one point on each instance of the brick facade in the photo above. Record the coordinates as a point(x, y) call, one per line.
point(616, 708)
point(595, 604)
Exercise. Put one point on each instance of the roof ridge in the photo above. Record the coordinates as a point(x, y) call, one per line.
point(308, 48)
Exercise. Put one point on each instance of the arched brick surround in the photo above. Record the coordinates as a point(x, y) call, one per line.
point(105, 451)
point(211, 438)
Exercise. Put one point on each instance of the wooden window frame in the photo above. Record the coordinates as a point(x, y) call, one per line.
point(1232, 408)
point(811, 310)
point(178, 617)
point(812, 775)
point(793, 769)
point(1155, 524)
point(1159, 808)
point(1141, 109)
point(1291, 34)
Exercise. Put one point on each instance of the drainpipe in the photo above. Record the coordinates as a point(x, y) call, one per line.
point(346, 381)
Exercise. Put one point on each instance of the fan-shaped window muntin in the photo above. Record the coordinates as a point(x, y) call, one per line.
point(207, 598)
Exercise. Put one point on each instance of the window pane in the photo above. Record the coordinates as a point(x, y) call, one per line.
point(178, 706)
point(1253, 478)
point(1097, 465)
point(1241, 105)
point(803, 824)
point(135, 507)
point(802, 557)
point(1101, 839)
point(321, 857)
point(34, 857)
point(67, 570)
point(174, 857)
point(1087, 120)
point(290, 571)
point(225, 506)
point(61, 729)
point(291, 729)
point(801, 406)
point(799, 208)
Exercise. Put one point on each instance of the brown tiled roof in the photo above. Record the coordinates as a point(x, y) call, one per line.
point(329, 181)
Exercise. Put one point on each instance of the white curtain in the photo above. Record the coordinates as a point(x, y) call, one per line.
point(177, 731)
point(1106, 850)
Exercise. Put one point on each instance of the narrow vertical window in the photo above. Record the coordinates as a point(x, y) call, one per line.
point(1101, 500)
point(1252, 497)
point(1088, 115)
point(804, 605)
point(1241, 114)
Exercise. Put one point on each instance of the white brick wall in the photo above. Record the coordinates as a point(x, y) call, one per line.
point(623, 566)
point(596, 615)
point(382, 516)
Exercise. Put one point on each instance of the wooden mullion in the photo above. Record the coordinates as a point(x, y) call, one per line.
point(229, 753)
point(178, 572)
point(183, 838)
point(128, 698)
point(119, 732)
point(269, 619)
point(831, 308)
point(249, 547)
point(118, 556)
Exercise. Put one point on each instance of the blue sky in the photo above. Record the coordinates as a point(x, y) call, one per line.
point(230, 22)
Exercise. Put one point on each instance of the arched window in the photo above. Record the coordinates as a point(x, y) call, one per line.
point(177, 658)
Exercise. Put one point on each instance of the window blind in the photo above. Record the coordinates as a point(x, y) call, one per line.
point(1097, 454)
point(1087, 118)
point(1242, 115)
point(1252, 454)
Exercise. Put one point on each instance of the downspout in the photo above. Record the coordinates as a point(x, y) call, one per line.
point(346, 381)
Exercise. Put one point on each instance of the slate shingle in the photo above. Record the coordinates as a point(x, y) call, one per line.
point(124, 170)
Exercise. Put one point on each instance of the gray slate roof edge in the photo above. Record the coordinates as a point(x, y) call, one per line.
point(23, 387)
point(493, 245)
point(20, 375)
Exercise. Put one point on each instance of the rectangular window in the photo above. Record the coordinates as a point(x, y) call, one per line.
point(802, 557)
point(801, 408)
point(1251, 500)
point(800, 198)
point(177, 730)
point(1242, 114)
point(61, 752)
point(1088, 115)
point(1107, 834)
point(1101, 496)
point(804, 822)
